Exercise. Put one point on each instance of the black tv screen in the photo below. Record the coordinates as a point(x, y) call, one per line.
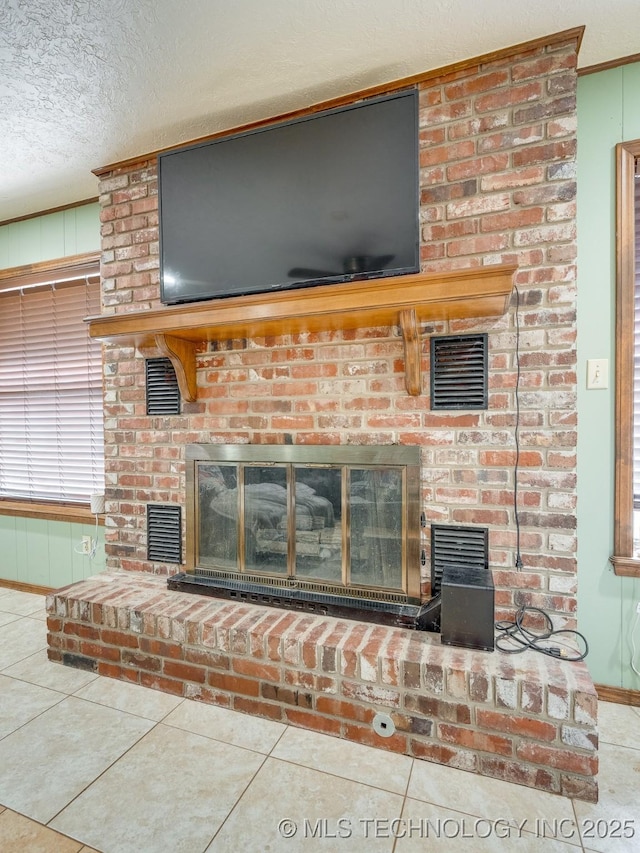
point(330, 197)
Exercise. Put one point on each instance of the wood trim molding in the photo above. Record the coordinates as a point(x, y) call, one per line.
point(26, 587)
point(628, 567)
point(71, 267)
point(78, 513)
point(425, 77)
point(179, 331)
point(620, 695)
point(607, 66)
point(626, 153)
point(51, 210)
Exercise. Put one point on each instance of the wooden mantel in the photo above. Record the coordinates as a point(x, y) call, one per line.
point(406, 301)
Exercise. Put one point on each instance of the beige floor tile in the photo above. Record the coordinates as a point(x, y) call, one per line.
point(5, 618)
point(227, 726)
point(21, 702)
point(182, 787)
point(20, 639)
point(428, 827)
point(617, 812)
point(18, 834)
point(22, 603)
point(41, 615)
point(320, 811)
point(50, 760)
point(38, 669)
point(151, 704)
point(619, 724)
point(386, 770)
point(484, 797)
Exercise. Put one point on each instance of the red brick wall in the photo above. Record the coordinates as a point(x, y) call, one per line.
point(497, 157)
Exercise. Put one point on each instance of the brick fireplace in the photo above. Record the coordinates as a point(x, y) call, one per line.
point(497, 176)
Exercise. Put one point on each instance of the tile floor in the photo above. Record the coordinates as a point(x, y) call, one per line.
point(88, 763)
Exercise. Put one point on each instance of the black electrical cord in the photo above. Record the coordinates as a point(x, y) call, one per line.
point(524, 638)
point(516, 431)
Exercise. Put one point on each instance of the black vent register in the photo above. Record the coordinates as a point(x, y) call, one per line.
point(463, 547)
point(459, 366)
point(163, 394)
point(164, 533)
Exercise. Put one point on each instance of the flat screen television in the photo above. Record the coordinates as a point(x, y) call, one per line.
point(329, 197)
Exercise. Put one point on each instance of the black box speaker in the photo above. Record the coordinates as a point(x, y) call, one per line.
point(467, 614)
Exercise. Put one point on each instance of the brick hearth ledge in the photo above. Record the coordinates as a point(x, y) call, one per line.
point(525, 718)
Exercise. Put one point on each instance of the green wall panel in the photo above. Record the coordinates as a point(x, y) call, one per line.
point(608, 113)
point(47, 553)
point(8, 552)
point(37, 545)
point(55, 235)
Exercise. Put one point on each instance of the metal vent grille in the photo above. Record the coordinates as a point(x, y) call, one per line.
point(457, 546)
point(163, 394)
point(318, 588)
point(164, 533)
point(459, 372)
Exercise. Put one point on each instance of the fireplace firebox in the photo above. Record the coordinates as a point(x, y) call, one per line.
point(327, 529)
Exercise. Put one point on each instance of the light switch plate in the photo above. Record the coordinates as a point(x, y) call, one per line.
point(597, 373)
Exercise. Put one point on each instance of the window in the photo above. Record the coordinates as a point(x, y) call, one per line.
point(626, 556)
point(51, 418)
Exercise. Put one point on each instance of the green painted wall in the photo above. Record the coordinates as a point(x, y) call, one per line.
point(608, 113)
point(37, 551)
point(54, 235)
point(45, 553)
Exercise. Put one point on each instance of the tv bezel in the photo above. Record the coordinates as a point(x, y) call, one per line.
point(274, 126)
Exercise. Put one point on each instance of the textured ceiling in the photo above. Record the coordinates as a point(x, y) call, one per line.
point(84, 83)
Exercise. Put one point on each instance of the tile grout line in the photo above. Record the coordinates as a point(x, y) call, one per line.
point(99, 776)
point(64, 696)
point(20, 618)
point(237, 802)
point(4, 809)
point(576, 821)
point(405, 797)
point(246, 788)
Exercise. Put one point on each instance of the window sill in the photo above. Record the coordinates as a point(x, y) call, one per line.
point(628, 567)
point(51, 511)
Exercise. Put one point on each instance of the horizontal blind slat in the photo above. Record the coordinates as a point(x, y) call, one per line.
point(51, 417)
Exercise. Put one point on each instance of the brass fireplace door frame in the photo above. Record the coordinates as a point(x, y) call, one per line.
point(406, 459)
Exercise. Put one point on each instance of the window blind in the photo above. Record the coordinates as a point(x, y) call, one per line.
point(51, 415)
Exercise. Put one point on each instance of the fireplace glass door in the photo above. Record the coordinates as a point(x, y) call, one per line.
point(330, 526)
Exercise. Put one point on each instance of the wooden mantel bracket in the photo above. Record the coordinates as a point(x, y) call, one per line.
point(182, 354)
point(412, 355)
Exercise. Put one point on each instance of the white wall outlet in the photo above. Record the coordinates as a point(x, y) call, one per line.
point(597, 373)
point(87, 545)
point(638, 608)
